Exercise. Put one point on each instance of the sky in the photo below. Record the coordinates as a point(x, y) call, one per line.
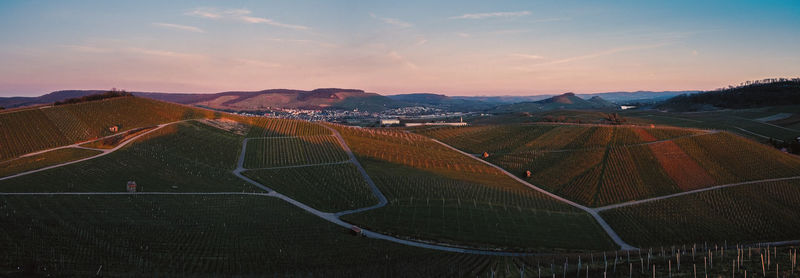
point(447, 47)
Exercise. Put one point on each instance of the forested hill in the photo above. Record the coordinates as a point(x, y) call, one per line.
point(751, 94)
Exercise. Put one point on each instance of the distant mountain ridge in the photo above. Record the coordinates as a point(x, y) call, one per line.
point(568, 101)
point(336, 98)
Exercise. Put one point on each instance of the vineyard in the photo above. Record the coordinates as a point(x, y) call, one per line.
point(274, 127)
point(746, 213)
point(436, 194)
point(598, 166)
point(291, 151)
point(192, 235)
point(329, 188)
point(522, 138)
point(42, 160)
point(188, 157)
point(32, 130)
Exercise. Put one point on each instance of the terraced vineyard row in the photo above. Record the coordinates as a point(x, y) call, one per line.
point(199, 236)
point(745, 213)
point(31, 130)
point(328, 188)
point(42, 160)
point(521, 138)
point(192, 157)
point(570, 160)
point(282, 151)
point(437, 194)
point(273, 127)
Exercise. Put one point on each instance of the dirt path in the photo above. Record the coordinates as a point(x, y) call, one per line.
point(77, 145)
point(631, 203)
point(613, 235)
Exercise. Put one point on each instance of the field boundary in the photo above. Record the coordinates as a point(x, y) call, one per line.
point(77, 145)
point(334, 217)
point(636, 202)
point(607, 228)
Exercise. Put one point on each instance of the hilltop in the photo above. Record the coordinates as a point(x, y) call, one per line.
point(565, 101)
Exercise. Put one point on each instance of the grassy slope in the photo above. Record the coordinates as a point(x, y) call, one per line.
point(200, 236)
point(42, 160)
point(746, 213)
point(328, 188)
point(192, 156)
point(438, 194)
point(30, 130)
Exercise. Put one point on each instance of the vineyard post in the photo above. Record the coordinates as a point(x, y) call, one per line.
point(587, 271)
point(695, 270)
point(763, 271)
point(654, 270)
point(579, 267)
point(642, 261)
point(630, 271)
point(669, 268)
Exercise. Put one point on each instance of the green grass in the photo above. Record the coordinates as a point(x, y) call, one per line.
point(329, 188)
point(31, 130)
point(192, 235)
point(29, 163)
point(747, 213)
point(291, 151)
point(190, 156)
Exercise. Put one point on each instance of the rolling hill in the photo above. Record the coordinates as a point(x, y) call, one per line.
point(751, 94)
point(567, 101)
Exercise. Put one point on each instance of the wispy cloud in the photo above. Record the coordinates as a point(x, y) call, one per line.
point(163, 53)
point(87, 48)
point(528, 56)
point(179, 27)
point(491, 15)
point(397, 58)
point(243, 15)
point(601, 54)
point(257, 63)
point(391, 21)
point(302, 41)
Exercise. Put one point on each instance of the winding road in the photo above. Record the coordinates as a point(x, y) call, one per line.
point(334, 217)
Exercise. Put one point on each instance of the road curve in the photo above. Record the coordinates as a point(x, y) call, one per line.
point(334, 217)
point(613, 235)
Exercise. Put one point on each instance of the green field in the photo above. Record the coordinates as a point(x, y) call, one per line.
point(747, 213)
point(292, 151)
point(192, 235)
point(42, 160)
point(188, 157)
point(438, 194)
point(329, 188)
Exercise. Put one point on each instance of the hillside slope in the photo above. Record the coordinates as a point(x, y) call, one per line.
point(30, 130)
point(752, 94)
point(564, 101)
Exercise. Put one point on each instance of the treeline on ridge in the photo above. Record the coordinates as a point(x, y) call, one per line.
point(750, 94)
point(110, 94)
